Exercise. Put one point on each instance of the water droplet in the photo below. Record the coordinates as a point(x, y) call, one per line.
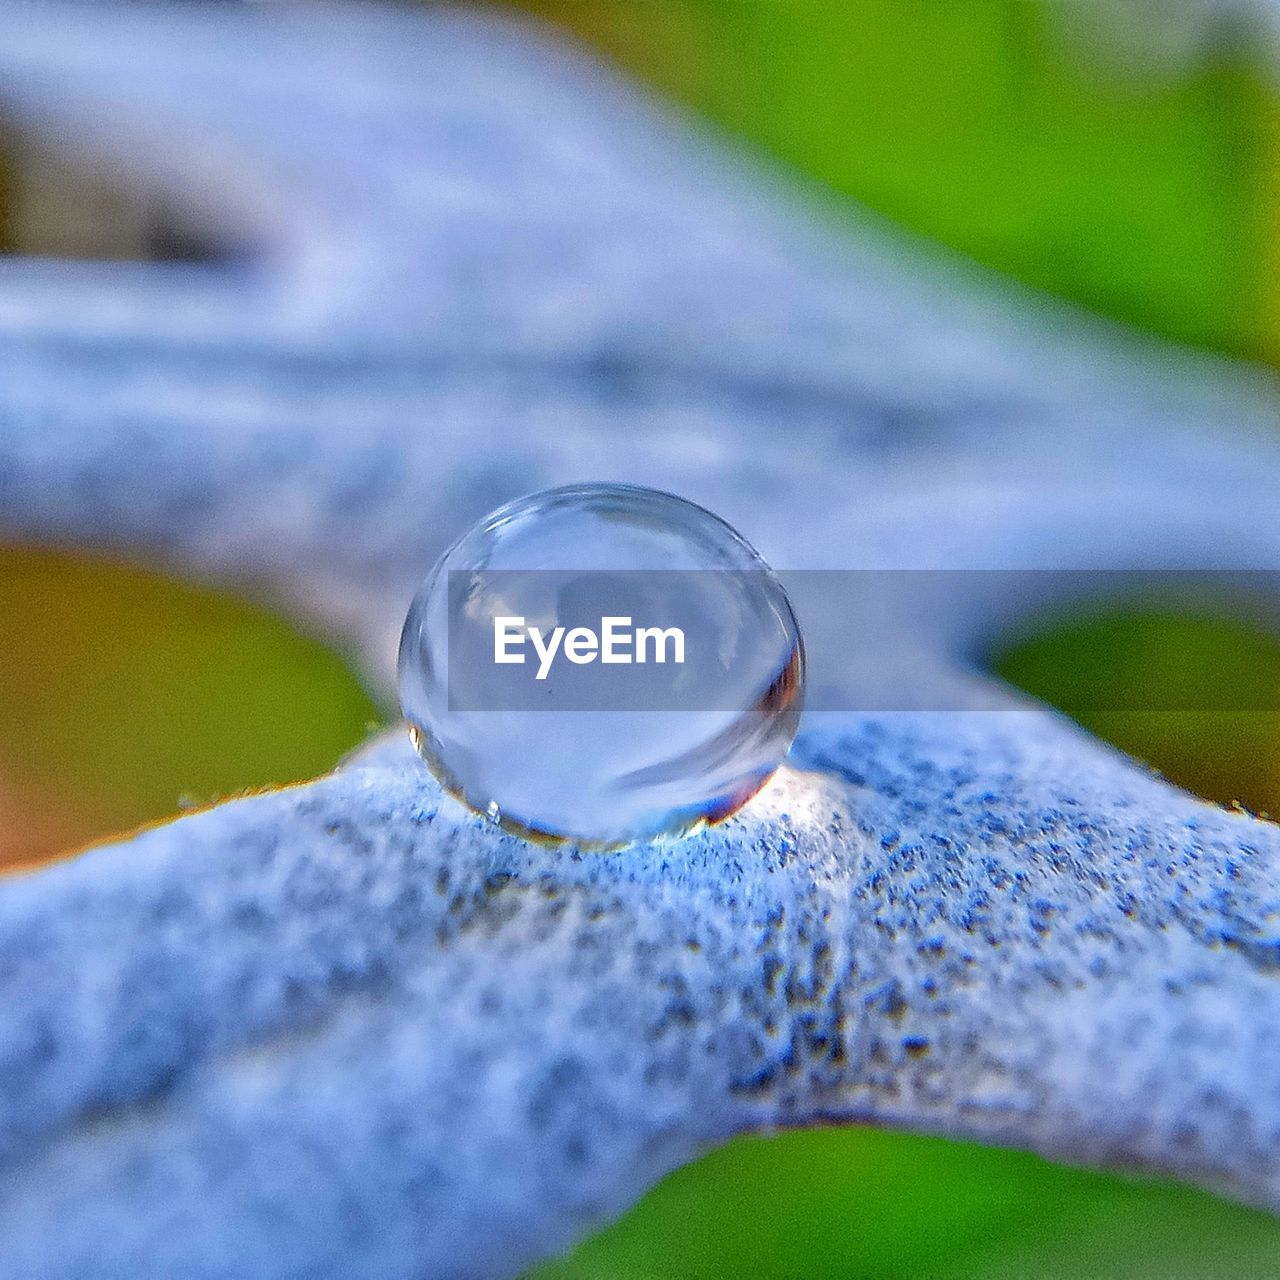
point(602, 664)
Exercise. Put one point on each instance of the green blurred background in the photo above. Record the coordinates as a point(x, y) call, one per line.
point(1119, 165)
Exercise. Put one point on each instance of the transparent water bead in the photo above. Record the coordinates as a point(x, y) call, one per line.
point(660, 692)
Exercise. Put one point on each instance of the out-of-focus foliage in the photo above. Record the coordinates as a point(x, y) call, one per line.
point(1021, 132)
point(124, 695)
point(1147, 681)
point(852, 1204)
point(52, 206)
